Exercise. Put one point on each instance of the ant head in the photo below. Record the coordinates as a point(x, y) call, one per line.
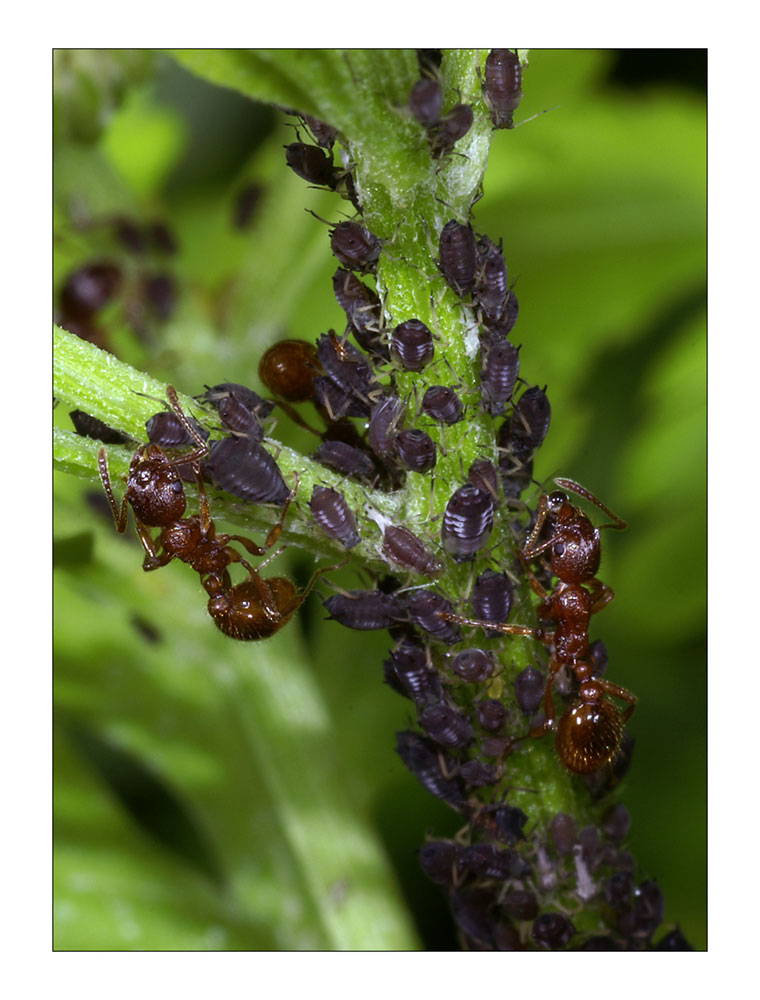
point(155, 490)
point(590, 732)
point(555, 501)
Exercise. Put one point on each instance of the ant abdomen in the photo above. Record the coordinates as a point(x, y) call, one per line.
point(254, 609)
point(588, 735)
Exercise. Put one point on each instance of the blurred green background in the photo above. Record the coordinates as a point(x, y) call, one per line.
point(214, 795)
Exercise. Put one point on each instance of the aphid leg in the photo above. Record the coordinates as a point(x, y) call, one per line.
point(569, 484)
point(119, 514)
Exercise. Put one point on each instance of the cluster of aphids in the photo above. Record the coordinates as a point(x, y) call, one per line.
point(370, 434)
point(502, 92)
point(525, 894)
point(133, 272)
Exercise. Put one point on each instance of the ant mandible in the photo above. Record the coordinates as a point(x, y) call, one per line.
point(590, 730)
point(256, 608)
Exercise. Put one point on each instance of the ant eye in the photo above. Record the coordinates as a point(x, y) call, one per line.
point(559, 549)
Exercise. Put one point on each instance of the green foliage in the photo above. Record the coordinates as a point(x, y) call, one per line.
point(277, 756)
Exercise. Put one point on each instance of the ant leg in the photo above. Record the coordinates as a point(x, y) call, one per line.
point(492, 626)
point(601, 595)
point(152, 559)
point(201, 446)
point(569, 484)
point(274, 533)
point(119, 515)
point(297, 418)
point(300, 598)
point(536, 585)
point(531, 549)
point(619, 692)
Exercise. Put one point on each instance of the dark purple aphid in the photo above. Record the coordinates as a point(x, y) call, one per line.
point(498, 375)
point(490, 862)
point(324, 134)
point(238, 419)
point(467, 522)
point(403, 548)
point(647, 912)
point(617, 822)
point(442, 404)
point(515, 462)
point(429, 60)
point(412, 345)
point(365, 610)
point(492, 285)
point(445, 725)
point(337, 402)
point(458, 256)
point(482, 475)
point(416, 450)
point(472, 909)
point(473, 665)
point(333, 515)
point(386, 419)
point(363, 311)
point(531, 417)
point(161, 295)
point(129, 234)
point(423, 758)
point(216, 393)
point(492, 599)
point(674, 941)
point(408, 673)
point(494, 331)
point(355, 246)
point(162, 238)
point(90, 427)
point(245, 469)
point(346, 366)
point(510, 821)
point(438, 859)
point(312, 164)
point(589, 841)
point(491, 715)
point(245, 205)
point(529, 689)
point(521, 904)
point(425, 102)
point(476, 774)
point(552, 931)
point(618, 889)
point(425, 607)
point(88, 289)
point(502, 87)
point(167, 430)
point(454, 125)
point(563, 832)
point(346, 459)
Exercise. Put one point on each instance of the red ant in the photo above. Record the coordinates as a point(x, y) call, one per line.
point(253, 609)
point(590, 730)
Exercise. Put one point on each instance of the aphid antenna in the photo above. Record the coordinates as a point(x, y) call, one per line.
point(538, 114)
